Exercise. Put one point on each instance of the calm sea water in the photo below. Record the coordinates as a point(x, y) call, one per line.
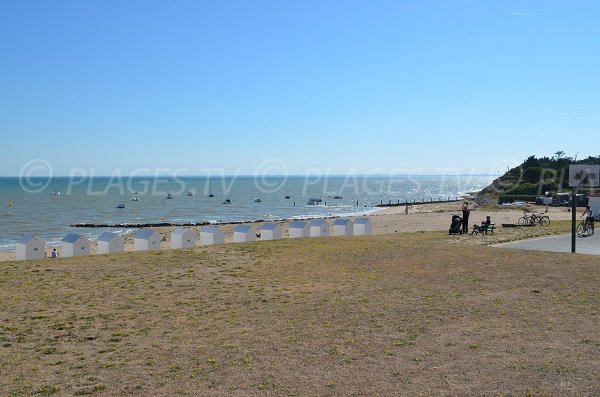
point(27, 206)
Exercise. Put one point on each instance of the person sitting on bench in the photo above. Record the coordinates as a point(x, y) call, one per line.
point(483, 227)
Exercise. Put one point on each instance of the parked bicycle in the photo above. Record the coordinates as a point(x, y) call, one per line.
point(533, 219)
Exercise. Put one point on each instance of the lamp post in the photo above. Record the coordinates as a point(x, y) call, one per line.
point(580, 175)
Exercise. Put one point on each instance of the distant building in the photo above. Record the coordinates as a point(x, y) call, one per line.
point(341, 227)
point(271, 231)
point(74, 244)
point(243, 234)
point(183, 238)
point(318, 228)
point(594, 201)
point(146, 239)
point(211, 235)
point(362, 227)
point(298, 229)
point(30, 247)
point(109, 242)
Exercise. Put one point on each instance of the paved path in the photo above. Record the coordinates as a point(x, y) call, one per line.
point(562, 243)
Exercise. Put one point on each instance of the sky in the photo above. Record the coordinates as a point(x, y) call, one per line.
point(334, 87)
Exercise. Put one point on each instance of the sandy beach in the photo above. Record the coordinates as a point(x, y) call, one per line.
point(388, 220)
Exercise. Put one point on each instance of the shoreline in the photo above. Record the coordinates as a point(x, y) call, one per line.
point(426, 217)
point(161, 226)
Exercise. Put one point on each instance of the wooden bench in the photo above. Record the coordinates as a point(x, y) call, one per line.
point(485, 229)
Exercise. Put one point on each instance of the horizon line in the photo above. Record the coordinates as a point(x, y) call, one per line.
point(240, 175)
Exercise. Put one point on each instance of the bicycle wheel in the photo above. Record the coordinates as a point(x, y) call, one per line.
point(523, 221)
point(580, 229)
point(544, 220)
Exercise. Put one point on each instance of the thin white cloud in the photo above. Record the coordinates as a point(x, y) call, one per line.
point(522, 14)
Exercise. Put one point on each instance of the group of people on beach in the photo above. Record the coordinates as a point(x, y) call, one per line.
point(587, 213)
point(476, 227)
point(461, 225)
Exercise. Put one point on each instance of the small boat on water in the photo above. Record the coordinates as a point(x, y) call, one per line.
point(257, 200)
point(55, 193)
point(227, 201)
point(287, 197)
point(190, 194)
point(135, 198)
point(337, 197)
point(314, 201)
point(121, 206)
point(169, 196)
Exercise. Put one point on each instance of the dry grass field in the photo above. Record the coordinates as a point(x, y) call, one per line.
point(414, 314)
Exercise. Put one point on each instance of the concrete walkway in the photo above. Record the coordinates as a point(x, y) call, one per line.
point(583, 245)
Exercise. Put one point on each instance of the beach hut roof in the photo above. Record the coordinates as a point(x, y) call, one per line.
point(144, 234)
point(318, 222)
point(341, 221)
point(71, 238)
point(181, 231)
point(269, 226)
point(297, 224)
point(25, 239)
point(242, 228)
point(107, 236)
point(360, 221)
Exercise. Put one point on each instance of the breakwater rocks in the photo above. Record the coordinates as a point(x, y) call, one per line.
point(187, 224)
point(414, 202)
point(157, 224)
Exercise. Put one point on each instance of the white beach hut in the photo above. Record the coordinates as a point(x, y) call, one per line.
point(243, 233)
point(183, 238)
point(318, 228)
point(271, 231)
point(146, 239)
point(109, 242)
point(211, 235)
point(362, 227)
point(341, 227)
point(75, 245)
point(298, 229)
point(30, 247)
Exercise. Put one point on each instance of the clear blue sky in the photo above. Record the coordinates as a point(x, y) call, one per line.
point(339, 86)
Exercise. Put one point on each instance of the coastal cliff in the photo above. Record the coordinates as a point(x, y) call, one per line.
point(533, 177)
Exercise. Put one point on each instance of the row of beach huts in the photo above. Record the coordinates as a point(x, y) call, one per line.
point(73, 244)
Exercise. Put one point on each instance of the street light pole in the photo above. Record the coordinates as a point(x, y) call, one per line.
point(573, 218)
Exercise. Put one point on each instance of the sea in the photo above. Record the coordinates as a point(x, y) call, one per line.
point(48, 206)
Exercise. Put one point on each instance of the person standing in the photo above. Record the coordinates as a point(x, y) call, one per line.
point(465, 217)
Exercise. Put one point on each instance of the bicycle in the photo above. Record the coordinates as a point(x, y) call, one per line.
point(533, 220)
point(541, 219)
point(584, 229)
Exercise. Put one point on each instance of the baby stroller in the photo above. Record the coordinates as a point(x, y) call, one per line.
point(456, 225)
